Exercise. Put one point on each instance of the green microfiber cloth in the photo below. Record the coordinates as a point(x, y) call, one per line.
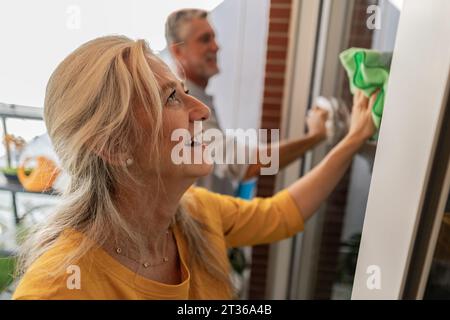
point(368, 70)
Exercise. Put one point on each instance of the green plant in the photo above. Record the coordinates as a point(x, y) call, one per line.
point(7, 267)
point(237, 260)
point(13, 171)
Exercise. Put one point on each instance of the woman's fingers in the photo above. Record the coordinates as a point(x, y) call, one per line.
point(360, 99)
point(356, 97)
point(362, 125)
point(364, 101)
point(373, 98)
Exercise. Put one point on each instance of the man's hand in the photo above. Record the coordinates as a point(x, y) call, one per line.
point(291, 150)
point(315, 122)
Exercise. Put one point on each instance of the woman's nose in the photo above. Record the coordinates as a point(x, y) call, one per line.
point(199, 111)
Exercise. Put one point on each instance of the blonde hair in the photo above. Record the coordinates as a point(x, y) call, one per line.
point(90, 117)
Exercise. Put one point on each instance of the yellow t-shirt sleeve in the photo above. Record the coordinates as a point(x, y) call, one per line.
point(258, 221)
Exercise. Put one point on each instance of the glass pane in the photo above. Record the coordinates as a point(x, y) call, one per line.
point(20, 130)
point(32, 208)
point(346, 207)
point(336, 232)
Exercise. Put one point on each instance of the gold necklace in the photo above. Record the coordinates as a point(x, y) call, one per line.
point(147, 264)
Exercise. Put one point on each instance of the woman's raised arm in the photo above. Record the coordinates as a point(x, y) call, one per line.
point(313, 188)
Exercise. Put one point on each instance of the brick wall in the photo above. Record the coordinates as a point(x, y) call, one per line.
point(278, 36)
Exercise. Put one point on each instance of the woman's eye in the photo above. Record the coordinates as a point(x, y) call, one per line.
point(173, 98)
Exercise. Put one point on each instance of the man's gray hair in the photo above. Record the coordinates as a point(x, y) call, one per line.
point(177, 20)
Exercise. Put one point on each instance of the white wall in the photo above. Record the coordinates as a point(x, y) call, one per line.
point(36, 35)
point(242, 28)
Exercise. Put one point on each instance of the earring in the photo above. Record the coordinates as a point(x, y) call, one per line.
point(129, 162)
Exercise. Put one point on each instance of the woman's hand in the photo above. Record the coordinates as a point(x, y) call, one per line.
point(362, 126)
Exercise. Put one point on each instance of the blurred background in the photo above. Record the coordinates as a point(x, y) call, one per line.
point(275, 58)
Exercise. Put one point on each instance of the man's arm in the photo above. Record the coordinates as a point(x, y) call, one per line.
point(291, 150)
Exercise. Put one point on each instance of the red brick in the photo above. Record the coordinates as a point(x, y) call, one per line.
point(280, 12)
point(271, 96)
point(274, 82)
point(275, 75)
point(276, 55)
point(273, 89)
point(278, 27)
point(275, 68)
point(277, 41)
point(273, 2)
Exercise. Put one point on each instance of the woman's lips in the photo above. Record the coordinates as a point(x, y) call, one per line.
point(196, 141)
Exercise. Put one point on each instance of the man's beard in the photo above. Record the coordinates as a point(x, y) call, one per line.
point(207, 72)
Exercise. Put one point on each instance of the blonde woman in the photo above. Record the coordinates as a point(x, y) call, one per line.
point(130, 226)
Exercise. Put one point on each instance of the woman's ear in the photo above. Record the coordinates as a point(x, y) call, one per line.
point(115, 159)
point(129, 162)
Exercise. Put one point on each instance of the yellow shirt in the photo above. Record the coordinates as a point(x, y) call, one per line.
point(234, 222)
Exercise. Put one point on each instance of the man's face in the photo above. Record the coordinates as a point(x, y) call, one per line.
point(198, 53)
